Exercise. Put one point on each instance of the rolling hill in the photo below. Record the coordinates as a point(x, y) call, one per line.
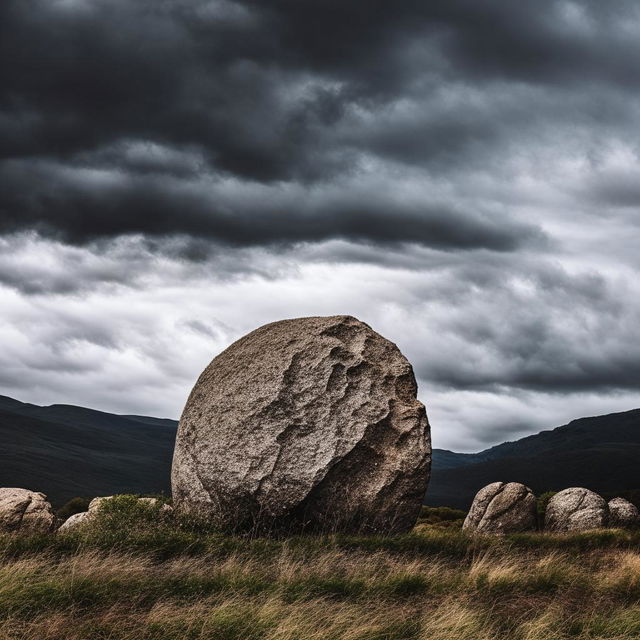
point(601, 453)
point(67, 451)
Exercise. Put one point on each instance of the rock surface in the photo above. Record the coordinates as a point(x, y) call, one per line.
point(306, 423)
point(623, 513)
point(25, 511)
point(502, 507)
point(576, 509)
point(75, 521)
point(96, 503)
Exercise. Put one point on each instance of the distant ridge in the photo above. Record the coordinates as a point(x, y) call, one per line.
point(601, 453)
point(67, 451)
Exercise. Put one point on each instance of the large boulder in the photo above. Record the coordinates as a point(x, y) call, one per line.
point(576, 509)
point(311, 423)
point(623, 513)
point(25, 511)
point(502, 507)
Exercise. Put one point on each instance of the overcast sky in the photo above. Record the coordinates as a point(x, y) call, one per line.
point(464, 176)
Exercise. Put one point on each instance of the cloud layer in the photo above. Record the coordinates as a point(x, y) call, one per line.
point(461, 175)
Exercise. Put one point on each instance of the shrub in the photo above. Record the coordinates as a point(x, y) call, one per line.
point(543, 501)
point(75, 505)
point(441, 517)
point(442, 513)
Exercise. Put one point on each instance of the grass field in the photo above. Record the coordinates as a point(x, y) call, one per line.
point(132, 575)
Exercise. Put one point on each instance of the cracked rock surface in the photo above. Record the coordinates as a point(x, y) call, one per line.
point(576, 509)
point(25, 511)
point(309, 423)
point(502, 507)
point(623, 513)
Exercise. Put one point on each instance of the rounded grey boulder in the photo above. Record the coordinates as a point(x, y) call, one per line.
point(25, 511)
point(75, 521)
point(310, 423)
point(623, 513)
point(502, 507)
point(576, 509)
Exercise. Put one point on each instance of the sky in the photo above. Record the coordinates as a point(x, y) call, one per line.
point(463, 176)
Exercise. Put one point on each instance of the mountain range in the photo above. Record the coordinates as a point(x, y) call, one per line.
point(67, 451)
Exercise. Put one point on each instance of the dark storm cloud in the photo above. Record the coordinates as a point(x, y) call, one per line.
point(85, 205)
point(270, 92)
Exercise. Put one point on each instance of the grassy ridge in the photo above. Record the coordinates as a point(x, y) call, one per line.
point(133, 575)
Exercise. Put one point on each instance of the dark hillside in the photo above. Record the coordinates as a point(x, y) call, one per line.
point(67, 451)
point(601, 453)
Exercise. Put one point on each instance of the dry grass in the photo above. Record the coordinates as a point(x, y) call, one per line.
point(434, 584)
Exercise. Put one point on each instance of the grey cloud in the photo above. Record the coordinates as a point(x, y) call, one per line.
point(459, 174)
point(555, 332)
point(88, 204)
point(257, 91)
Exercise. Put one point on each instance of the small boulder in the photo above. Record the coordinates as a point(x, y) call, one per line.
point(502, 507)
point(75, 521)
point(25, 511)
point(623, 513)
point(576, 509)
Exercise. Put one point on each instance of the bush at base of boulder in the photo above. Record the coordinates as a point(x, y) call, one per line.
point(576, 509)
point(117, 507)
point(502, 507)
point(24, 511)
point(623, 513)
point(97, 503)
point(73, 506)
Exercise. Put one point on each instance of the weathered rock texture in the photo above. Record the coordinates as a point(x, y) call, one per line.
point(306, 423)
point(75, 521)
point(576, 509)
point(502, 507)
point(623, 513)
point(25, 511)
